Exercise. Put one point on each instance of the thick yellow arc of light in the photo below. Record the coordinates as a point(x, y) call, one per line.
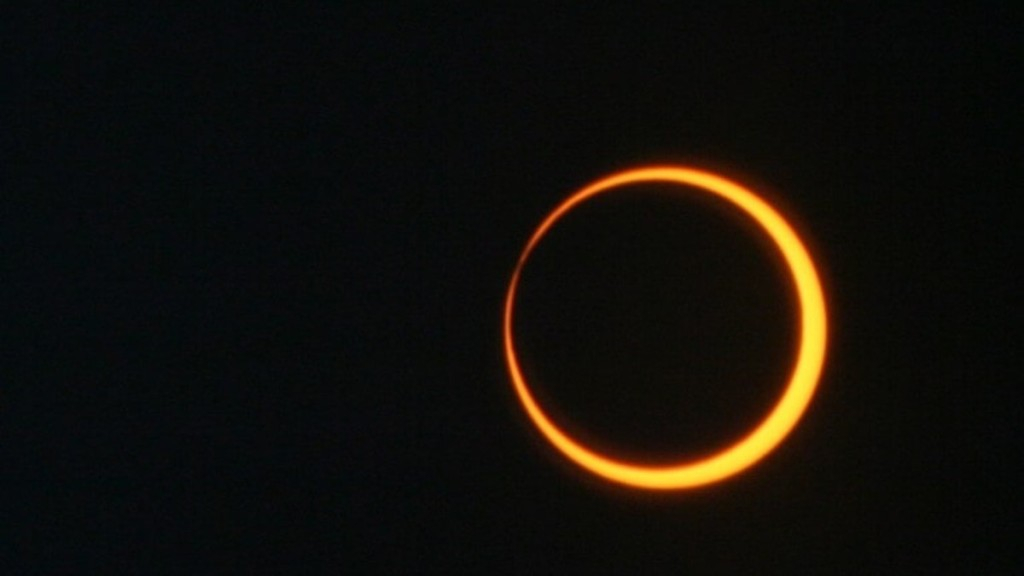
point(802, 383)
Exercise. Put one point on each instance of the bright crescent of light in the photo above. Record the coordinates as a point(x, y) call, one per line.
point(802, 383)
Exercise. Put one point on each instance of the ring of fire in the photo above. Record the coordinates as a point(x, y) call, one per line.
point(802, 382)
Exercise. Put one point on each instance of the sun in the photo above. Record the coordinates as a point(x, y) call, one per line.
point(803, 379)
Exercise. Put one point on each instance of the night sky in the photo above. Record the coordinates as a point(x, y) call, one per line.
point(253, 262)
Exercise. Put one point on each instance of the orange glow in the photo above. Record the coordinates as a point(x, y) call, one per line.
point(803, 380)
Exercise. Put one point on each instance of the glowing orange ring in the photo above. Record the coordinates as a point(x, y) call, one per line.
point(810, 356)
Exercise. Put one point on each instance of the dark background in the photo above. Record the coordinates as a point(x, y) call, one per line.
point(252, 264)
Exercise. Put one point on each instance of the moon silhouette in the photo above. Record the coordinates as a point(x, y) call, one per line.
point(803, 380)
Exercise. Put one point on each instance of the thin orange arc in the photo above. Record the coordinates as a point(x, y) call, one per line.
point(806, 369)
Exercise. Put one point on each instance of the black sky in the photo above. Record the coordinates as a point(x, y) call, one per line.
point(253, 264)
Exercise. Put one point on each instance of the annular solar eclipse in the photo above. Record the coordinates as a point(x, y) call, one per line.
point(803, 379)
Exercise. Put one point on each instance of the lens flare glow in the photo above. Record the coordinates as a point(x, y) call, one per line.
point(803, 380)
